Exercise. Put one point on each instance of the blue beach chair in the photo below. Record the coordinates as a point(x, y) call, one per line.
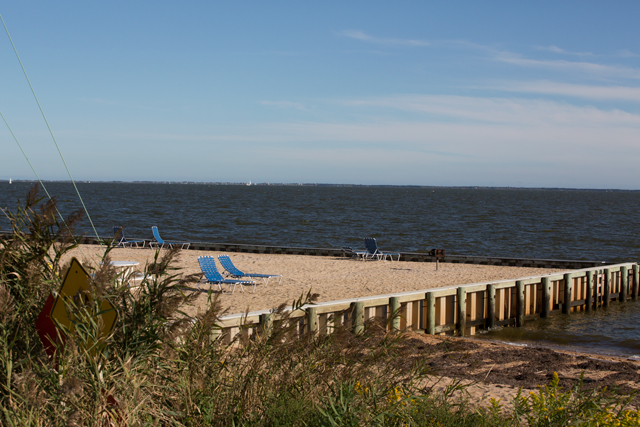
point(161, 243)
point(213, 277)
point(234, 272)
point(120, 241)
point(374, 252)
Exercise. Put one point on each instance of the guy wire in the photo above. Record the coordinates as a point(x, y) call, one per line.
point(50, 131)
point(39, 180)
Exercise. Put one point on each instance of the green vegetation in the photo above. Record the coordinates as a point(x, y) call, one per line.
point(160, 367)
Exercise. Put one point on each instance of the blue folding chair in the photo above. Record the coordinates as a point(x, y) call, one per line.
point(161, 243)
point(213, 277)
point(374, 252)
point(234, 272)
point(121, 241)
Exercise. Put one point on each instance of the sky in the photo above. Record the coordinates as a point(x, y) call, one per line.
point(464, 93)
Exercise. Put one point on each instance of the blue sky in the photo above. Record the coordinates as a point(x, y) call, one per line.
point(537, 94)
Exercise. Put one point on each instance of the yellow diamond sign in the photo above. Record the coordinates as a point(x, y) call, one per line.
point(74, 292)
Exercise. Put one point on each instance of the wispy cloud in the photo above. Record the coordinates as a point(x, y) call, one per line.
point(459, 120)
point(591, 68)
point(513, 111)
point(622, 93)
point(626, 53)
point(362, 36)
point(563, 65)
point(416, 138)
point(558, 50)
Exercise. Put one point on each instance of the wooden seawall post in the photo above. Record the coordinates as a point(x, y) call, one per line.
point(623, 284)
point(491, 306)
point(266, 324)
point(520, 303)
point(588, 299)
point(597, 291)
point(312, 320)
point(394, 304)
point(462, 310)
point(636, 284)
point(431, 313)
point(568, 292)
point(216, 334)
point(606, 297)
point(357, 317)
point(546, 297)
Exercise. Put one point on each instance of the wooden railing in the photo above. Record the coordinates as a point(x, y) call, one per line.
point(460, 310)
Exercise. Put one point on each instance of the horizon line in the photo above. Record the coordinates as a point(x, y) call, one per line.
point(318, 184)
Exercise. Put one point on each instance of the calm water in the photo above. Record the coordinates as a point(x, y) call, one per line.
point(583, 225)
point(611, 330)
point(528, 223)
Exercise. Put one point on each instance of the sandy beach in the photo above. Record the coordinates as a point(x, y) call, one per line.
point(334, 278)
point(498, 371)
point(491, 370)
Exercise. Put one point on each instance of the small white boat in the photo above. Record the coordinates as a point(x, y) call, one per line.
point(248, 183)
point(9, 180)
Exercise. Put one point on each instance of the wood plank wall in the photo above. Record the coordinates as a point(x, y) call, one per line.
point(461, 310)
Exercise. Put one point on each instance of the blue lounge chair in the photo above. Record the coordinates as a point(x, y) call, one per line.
point(213, 277)
point(161, 243)
point(234, 272)
point(374, 252)
point(121, 241)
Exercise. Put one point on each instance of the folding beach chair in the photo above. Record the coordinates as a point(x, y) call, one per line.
point(120, 241)
point(234, 272)
point(374, 252)
point(213, 277)
point(161, 243)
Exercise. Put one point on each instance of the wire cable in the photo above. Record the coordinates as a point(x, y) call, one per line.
point(51, 132)
point(39, 180)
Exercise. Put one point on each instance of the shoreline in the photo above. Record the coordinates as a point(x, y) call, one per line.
point(569, 349)
point(559, 348)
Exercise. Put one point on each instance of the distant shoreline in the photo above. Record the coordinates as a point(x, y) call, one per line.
point(312, 184)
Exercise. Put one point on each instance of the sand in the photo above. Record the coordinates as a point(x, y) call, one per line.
point(491, 370)
point(497, 370)
point(334, 278)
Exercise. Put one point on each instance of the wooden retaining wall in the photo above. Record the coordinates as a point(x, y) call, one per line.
point(460, 310)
